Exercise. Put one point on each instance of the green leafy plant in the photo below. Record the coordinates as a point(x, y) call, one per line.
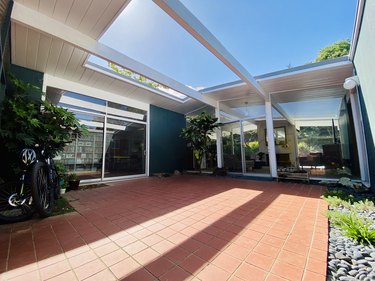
point(363, 205)
point(26, 122)
point(72, 177)
point(353, 226)
point(197, 132)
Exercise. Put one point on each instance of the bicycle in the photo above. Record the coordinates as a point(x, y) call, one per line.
point(37, 188)
point(16, 201)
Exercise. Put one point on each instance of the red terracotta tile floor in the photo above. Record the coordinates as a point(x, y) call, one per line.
point(177, 228)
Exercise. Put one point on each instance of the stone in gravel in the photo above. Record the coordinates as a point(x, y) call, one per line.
point(340, 255)
point(341, 272)
point(346, 278)
point(357, 255)
point(353, 272)
point(372, 254)
point(362, 261)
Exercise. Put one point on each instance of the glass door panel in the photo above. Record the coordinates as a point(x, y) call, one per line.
point(231, 137)
point(125, 148)
point(255, 157)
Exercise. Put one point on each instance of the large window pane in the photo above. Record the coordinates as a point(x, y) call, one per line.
point(84, 155)
point(125, 148)
point(232, 147)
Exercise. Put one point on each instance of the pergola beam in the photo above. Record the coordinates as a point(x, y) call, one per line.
point(191, 24)
point(40, 22)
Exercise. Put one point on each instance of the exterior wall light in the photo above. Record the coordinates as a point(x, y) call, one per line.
point(351, 82)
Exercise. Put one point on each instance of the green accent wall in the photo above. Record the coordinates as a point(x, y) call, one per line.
point(29, 76)
point(167, 148)
point(364, 62)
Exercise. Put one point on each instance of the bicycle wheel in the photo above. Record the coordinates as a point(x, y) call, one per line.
point(42, 191)
point(13, 206)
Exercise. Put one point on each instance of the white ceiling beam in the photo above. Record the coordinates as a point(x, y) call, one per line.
point(191, 24)
point(38, 21)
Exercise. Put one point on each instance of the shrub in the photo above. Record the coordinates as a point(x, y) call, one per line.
point(353, 226)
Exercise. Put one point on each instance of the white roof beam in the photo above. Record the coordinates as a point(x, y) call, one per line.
point(283, 113)
point(38, 21)
point(191, 24)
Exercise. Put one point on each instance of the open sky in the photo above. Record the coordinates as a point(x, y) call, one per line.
point(264, 36)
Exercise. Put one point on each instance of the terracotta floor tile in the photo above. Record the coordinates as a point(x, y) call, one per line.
point(163, 246)
point(159, 266)
point(312, 276)
point(106, 249)
point(206, 253)
point(69, 275)
point(213, 273)
point(292, 258)
point(273, 277)
point(104, 275)
point(33, 275)
point(317, 266)
point(124, 268)
point(135, 247)
point(237, 251)
point(267, 250)
point(54, 269)
point(89, 269)
point(317, 254)
point(272, 240)
point(81, 259)
point(193, 264)
point(177, 255)
point(114, 257)
point(139, 275)
point(250, 272)
point(259, 260)
point(146, 256)
point(176, 274)
point(226, 262)
point(287, 271)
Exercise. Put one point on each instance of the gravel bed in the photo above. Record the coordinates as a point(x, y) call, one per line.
point(347, 259)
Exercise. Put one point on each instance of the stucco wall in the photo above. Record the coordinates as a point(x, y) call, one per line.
point(364, 62)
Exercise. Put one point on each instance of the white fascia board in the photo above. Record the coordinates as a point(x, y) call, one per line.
point(308, 69)
point(356, 28)
point(191, 24)
point(67, 85)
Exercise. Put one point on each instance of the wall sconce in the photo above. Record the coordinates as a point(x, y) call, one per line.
point(351, 82)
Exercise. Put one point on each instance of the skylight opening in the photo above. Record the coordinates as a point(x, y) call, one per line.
point(124, 74)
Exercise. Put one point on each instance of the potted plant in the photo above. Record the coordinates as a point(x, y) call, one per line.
point(73, 181)
point(197, 132)
point(61, 172)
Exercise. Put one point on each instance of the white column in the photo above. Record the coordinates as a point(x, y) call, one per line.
point(360, 138)
point(243, 160)
point(219, 141)
point(271, 140)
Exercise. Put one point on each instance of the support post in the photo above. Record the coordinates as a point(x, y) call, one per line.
point(242, 148)
point(219, 141)
point(271, 140)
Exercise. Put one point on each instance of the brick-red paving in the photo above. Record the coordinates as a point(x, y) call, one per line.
point(177, 228)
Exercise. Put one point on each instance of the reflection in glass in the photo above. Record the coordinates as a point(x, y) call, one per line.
point(84, 155)
point(125, 148)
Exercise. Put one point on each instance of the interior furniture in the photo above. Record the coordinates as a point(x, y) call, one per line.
point(332, 155)
point(282, 159)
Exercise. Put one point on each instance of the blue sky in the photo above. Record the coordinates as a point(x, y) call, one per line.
point(264, 36)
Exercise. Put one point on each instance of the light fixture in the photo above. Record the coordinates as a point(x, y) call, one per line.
point(351, 82)
point(246, 109)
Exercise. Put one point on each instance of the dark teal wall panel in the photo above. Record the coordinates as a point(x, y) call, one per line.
point(167, 149)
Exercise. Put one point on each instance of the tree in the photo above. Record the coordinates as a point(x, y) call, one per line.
point(197, 133)
point(335, 50)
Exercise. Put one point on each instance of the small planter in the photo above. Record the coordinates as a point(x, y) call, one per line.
point(74, 184)
point(62, 191)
